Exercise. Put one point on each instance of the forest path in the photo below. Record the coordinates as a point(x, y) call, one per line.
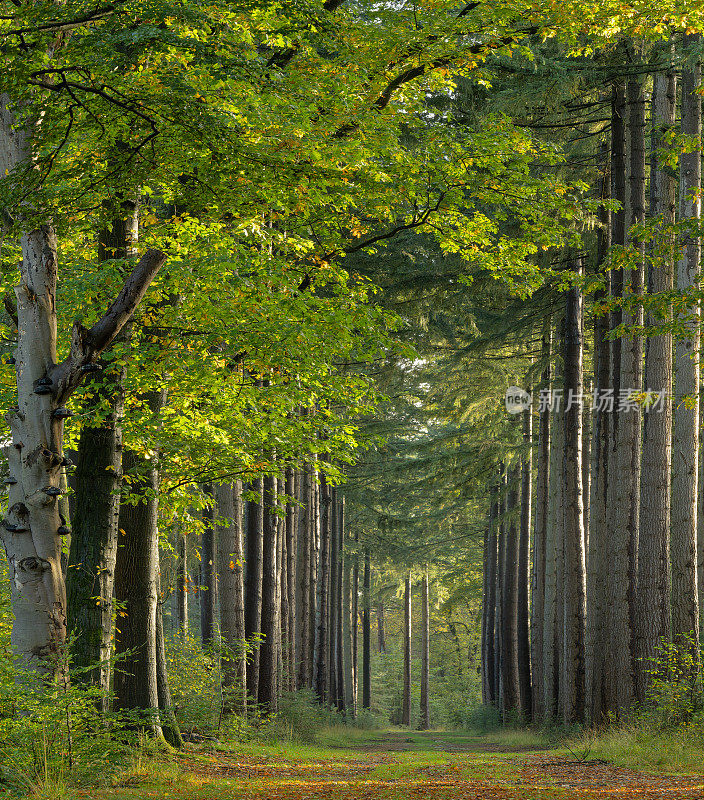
point(398, 766)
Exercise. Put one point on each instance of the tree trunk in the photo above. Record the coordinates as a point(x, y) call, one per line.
point(253, 584)
point(169, 725)
point(322, 610)
point(425, 657)
point(407, 705)
point(509, 613)
point(207, 594)
point(595, 690)
point(332, 693)
point(381, 627)
point(93, 547)
point(182, 584)
point(355, 628)
point(367, 634)
point(340, 666)
point(524, 681)
point(539, 533)
point(652, 620)
point(291, 577)
point(304, 579)
point(500, 571)
point(685, 602)
point(269, 619)
point(489, 661)
point(552, 628)
point(231, 594)
point(136, 587)
point(347, 649)
point(574, 608)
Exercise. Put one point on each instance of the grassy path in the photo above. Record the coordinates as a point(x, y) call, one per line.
point(398, 766)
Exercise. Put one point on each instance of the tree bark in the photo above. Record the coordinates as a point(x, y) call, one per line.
point(253, 584)
point(304, 579)
point(425, 657)
point(367, 634)
point(291, 576)
point(509, 612)
point(652, 620)
point(407, 631)
point(207, 594)
point(552, 627)
point(322, 610)
point(32, 530)
point(169, 725)
point(333, 605)
point(489, 661)
point(685, 601)
point(136, 587)
point(268, 693)
point(182, 584)
point(574, 607)
point(523, 641)
point(347, 649)
point(539, 533)
point(231, 594)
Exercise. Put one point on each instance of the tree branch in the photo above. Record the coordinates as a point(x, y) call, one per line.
point(88, 343)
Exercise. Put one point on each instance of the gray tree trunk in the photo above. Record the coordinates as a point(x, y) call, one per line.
point(574, 576)
point(685, 601)
point(367, 633)
point(231, 593)
point(652, 619)
point(509, 606)
point(253, 584)
point(597, 569)
point(425, 657)
point(539, 535)
point(407, 655)
point(523, 642)
point(268, 689)
point(207, 591)
point(489, 660)
point(31, 533)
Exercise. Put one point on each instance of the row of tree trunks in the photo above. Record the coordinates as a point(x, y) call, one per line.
point(615, 554)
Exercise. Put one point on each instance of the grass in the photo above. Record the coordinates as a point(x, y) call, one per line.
point(679, 752)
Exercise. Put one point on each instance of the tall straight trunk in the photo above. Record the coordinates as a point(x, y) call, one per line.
point(552, 627)
point(253, 584)
point(539, 532)
point(339, 664)
point(169, 725)
point(501, 568)
point(524, 679)
point(652, 618)
point(367, 633)
point(488, 660)
point(136, 587)
point(355, 627)
point(279, 593)
point(322, 611)
point(98, 478)
point(182, 584)
point(304, 580)
point(425, 656)
point(509, 616)
point(314, 572)
point(231, 593)
point(685, 602)
point(347, 649)
point(597, 563)
point(574, 576)
point(407, 632)
point(332, 694)
point(626, 478)
point(485, 614)
point(282, 600)
point(207, 594)
point(291, 575)
point(380, 627)
point(270, 619)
